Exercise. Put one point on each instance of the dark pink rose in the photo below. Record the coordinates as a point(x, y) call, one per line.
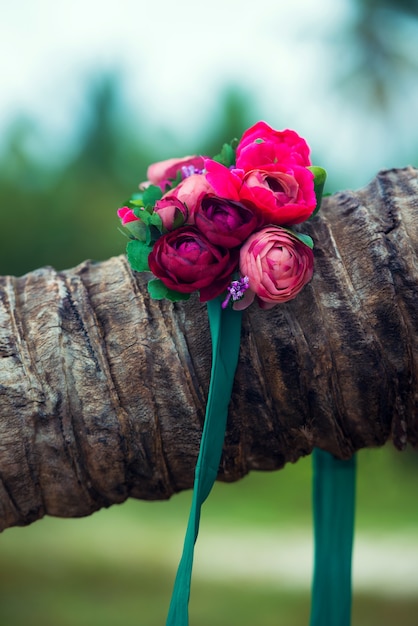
point(261, 145)
point(224, 222)
point(163, 173)
point(278, 266)
point(185, 261)
point(190, 192)
point(172, 211)
point(126, 215)
point(284, 195)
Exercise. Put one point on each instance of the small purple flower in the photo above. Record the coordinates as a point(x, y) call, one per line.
point(189, 170)
point(236, 290)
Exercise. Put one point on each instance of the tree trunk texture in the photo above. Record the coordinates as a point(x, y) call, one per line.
point(103, 390)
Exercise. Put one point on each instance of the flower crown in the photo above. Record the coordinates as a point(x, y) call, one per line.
point(222, 226)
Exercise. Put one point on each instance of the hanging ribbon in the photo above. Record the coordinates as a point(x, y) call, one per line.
point(334, 503)
point(333, 492)
point(225, 328)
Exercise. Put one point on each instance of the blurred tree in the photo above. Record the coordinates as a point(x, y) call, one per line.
point(383, 46)
point(235, 115)
point(66, 211)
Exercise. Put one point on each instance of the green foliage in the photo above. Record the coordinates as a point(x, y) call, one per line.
point(319, 183)
point(227, 154)
point(150, 195)
point(137, 253)
point(308, 241)
point(159, 291)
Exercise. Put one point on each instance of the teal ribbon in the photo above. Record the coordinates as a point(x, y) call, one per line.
point(334, 504)
point(333, 492)
point(225, 328)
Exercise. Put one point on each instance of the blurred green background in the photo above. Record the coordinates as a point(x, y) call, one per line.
point(57, 207)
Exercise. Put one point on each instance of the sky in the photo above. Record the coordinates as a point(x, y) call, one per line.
point(175, 57)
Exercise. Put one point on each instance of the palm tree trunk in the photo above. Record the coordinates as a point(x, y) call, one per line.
point(102, 390)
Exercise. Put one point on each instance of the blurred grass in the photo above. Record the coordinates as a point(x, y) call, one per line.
point(117, 566)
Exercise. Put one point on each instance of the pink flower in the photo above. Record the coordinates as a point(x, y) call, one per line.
point(284, 195)
point(278, 266)
point(172, 211)
point(163, 173)
point(261, 145)
point(190, 192)
point(126, 215)
point(224, 222)
point(226, 182)
point(185, 261)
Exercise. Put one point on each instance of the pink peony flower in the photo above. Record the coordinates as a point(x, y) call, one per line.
point(261, 145)
point(172, 211)
point(163, 173)
point(224, 222)
point(185, 261)
point(278, 266)
point(284, 195)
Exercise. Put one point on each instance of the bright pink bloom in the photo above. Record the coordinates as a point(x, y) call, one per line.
point(226, 182)
point(278, 266)
point(261, 145)
point(126, 215)
point(284, 195)
point(163, 173)
point(185, 261)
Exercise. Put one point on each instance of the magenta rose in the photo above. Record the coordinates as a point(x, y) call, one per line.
point(284, 195)
point(163, 173)
point(261, 145)
point(278, 266)
point(185, 261)
point(172, 211)
point(224, 222)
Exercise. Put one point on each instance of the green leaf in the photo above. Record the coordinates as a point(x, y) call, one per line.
point(227, 155)
point(137, 253)
point(158, 291)
point(152, 234)
point(178, 220)
point(319, 182)
point(175, 181)
point(308, 241)
point(149, 217)
point(176, 296)
point(136, 202)
point(137, 229)
point(151, 195)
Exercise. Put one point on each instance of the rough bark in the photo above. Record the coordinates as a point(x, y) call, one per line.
point(102, 390)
